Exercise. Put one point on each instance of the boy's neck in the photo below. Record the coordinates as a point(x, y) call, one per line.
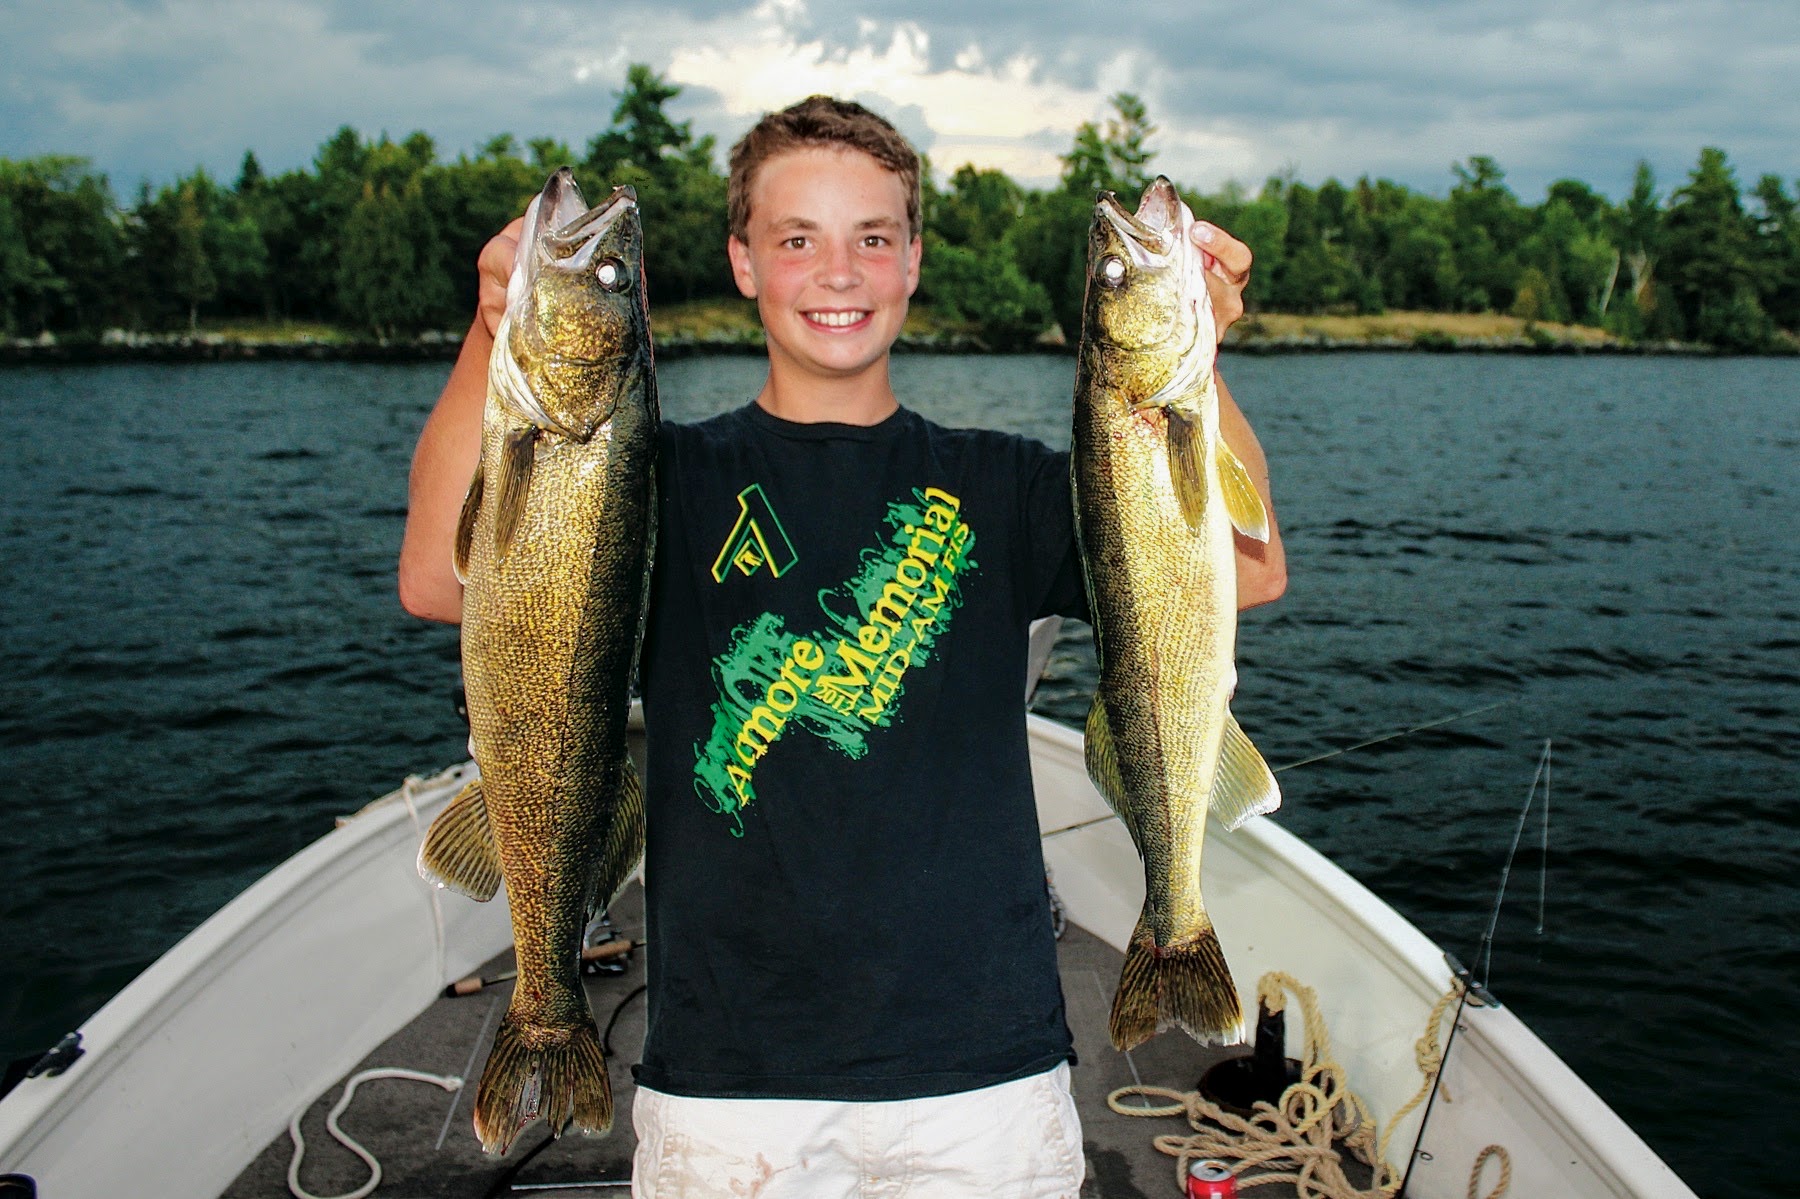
point(866, 398)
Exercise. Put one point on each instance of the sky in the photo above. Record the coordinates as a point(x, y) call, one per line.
point(1397, 89)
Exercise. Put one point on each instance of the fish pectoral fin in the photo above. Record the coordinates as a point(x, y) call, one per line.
point(1187, 466)
point(622, 844)
point(459, 850)
point(465, 526)
point(1243, 786)
point(1242, 503)
point(516, 460)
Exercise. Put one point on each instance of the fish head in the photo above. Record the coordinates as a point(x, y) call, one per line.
point(578, 316)
point(1146, 312)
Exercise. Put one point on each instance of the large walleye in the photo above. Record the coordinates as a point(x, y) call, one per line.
point(1157, 496)
point(554, 550)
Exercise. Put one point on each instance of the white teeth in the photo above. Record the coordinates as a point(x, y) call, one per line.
point(835, 320)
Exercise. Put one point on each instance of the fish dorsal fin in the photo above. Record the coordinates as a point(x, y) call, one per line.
point(459, 850)
point(622, 845)
point(465, 526)
point(1243, 786)
point(1242, 503)
point(516, 460)
point(1187, 466)
point(1102, 761)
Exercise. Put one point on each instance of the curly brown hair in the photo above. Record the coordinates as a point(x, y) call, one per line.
point(820, 121)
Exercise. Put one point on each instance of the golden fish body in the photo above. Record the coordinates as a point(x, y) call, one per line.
point(1158, 500)
point(554, 548)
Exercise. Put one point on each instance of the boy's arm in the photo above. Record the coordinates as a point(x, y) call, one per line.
point(448, 449)
point(1261, 566)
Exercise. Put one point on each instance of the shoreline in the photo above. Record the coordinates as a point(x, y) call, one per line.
point(1264, 334)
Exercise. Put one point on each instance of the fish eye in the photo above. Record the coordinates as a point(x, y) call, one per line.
point(1112, 271)
point(612, 275)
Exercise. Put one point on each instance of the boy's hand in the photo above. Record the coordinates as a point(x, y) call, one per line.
point(495, 267)
point(1227, 262)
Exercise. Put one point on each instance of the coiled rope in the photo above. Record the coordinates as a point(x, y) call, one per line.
point(1295, 1140)
point(449, 1083)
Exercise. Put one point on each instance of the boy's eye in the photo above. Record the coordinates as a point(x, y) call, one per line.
point(874, 241)
point(795, 243)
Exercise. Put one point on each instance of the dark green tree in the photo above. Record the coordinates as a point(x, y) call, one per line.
point(1632, 309)
point(384, 281)
point(65, 270)
point(983, 286)
point(979, 208)
point(642, 133)
point(1709, 261)
point(1486, 223)
point(1778, 252)
point(1115, 159)
point(1049, 243)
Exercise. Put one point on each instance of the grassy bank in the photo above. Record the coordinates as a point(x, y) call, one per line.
point(1416, 330)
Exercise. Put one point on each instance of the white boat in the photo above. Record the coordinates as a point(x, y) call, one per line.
point(194, 1069)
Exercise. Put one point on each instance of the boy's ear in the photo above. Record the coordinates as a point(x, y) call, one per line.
point(739, 254)
point(914, 253)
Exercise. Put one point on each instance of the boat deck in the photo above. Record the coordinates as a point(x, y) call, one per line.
point(422, 1135)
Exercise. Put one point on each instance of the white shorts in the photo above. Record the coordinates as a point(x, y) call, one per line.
point(1016, 1140)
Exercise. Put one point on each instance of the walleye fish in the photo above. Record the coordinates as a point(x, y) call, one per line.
point(1158, 494)
point(554, 550)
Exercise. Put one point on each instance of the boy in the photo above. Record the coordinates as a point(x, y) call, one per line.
point(852, 974)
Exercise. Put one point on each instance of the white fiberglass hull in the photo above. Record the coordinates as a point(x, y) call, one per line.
point(199, 1063)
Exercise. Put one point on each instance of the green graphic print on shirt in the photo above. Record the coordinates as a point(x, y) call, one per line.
point(850, 676)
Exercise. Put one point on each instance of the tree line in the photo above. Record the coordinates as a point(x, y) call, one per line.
point(381, 236)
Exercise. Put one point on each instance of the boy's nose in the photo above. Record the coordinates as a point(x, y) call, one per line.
point(838, 267)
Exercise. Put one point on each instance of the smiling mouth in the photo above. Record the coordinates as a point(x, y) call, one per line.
point(838, 319)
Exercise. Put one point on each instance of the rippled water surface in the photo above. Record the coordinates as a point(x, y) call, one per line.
point(202, 663)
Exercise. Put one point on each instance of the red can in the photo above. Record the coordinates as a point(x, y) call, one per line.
point(1211, 1180)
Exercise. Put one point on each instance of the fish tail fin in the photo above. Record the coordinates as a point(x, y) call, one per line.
point(564, 1081)
point(1186, 985)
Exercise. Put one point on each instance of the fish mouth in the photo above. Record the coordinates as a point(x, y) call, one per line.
point(569, 233)
point(1153, 233)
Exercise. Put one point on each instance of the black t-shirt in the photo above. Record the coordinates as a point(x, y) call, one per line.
point(844, 883)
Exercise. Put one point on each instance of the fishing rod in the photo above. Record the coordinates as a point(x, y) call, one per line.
point(1406, 732)
point(1484, 953)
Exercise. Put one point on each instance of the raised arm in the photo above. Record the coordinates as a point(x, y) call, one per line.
point(444, 461)
point(1261, 566)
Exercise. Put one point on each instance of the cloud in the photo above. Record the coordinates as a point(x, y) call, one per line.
point(1391, 88)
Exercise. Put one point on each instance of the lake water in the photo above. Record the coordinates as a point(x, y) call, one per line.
point(202, 663)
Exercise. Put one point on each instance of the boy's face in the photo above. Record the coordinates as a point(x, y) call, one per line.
point(830, 261)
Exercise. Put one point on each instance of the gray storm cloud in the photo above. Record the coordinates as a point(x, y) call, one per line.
point(1392, 89)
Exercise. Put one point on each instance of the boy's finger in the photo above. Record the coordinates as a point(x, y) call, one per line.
point(495, 267)
point(1222, 253)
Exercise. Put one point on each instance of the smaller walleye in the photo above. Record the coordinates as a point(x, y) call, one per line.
point(554, 550)
point(1158, 495)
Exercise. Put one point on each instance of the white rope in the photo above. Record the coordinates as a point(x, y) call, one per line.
point(448, 1082)
point(1313, 1116)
